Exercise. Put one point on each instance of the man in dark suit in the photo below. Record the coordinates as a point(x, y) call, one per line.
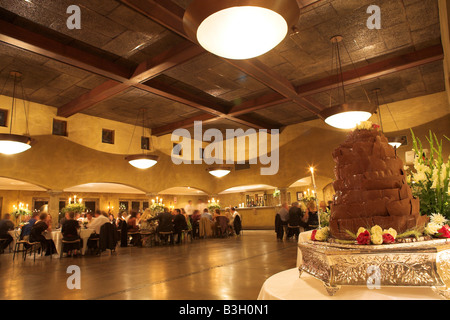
point(295, 220)
point(165, 223)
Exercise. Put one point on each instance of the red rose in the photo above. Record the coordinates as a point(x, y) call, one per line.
point(313, 235)
point(444, 232)
point(363, 238)
point(388, 238)
point(375, 126)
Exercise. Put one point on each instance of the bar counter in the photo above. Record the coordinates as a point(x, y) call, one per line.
point(258, 218)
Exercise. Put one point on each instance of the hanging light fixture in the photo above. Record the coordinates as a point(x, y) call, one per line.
point(219, 171)
point(12, 143)
point(396, 141)
point(144, 160)
point(345, 115)
point(242, 29)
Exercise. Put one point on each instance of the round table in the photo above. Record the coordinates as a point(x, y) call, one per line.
point(287, 285)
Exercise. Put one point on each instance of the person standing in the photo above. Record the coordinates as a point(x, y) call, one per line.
point(295, 220)
point(188, 208)
point(284, 218)
point(237, 221)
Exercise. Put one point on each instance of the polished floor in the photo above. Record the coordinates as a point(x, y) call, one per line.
point(232, 268)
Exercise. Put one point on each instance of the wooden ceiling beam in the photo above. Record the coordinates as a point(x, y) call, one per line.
point(145, 71)
point(374, 70)
point(183, 124)
point(178, 95)
point(39, 44)
point(369, 72)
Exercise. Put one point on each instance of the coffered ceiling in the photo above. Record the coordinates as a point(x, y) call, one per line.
point(133, 54)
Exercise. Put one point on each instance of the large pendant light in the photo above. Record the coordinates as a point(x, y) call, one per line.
point(344, 115)
point(240, 29)
point(12, 143)
point(219, 171)
point(144, 160)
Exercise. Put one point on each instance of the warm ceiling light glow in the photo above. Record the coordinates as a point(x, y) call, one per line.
point(346, 116)
point(219, 172)
point(14, 144)
point(142, 161)
point(240, 29)
point(395, 144)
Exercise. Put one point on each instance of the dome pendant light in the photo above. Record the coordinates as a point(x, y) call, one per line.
point(345, 115)
point(141, 161)
point(219, 171)
point(240, 29)
point(11, 144)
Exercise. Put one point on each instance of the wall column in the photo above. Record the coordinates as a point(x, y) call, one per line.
point(283, 196)
point(53, 206)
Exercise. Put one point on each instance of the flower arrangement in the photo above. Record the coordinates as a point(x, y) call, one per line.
point(276, 193)
point(20, 212)
point(74, 207)
point(157, 207)
point(437, 227)
point(321, 234)
point(366, 125)
point(325, 218)
point(430, 181)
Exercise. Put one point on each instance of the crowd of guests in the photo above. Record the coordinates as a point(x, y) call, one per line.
point(171, 225)
point(290, 220)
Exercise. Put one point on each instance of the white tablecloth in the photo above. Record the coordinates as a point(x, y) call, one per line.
point(287, 285)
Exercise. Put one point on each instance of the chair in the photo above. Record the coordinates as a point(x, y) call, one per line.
point(108, 238)
point(222, 226)
point(166, 234)
point(134, 236)
point(293, 231)
point(205, 229)
point(64, 242)
point(31, 247)
point(187, 233)
point(147, 236)
point(2, 242)
point(18, 249)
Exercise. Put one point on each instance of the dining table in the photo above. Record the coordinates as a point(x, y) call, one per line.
point(56, 236)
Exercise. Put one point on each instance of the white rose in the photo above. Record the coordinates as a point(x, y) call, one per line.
point(432, 228)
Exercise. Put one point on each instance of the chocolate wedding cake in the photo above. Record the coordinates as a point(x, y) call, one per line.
point(371, 187)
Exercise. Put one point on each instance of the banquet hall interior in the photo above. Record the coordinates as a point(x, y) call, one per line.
point(89, 86)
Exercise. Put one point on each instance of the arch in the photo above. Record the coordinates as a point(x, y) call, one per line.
point(184, 190)
point(20, 184)
point(305, 181)
point(105, 187)
point(246, 188)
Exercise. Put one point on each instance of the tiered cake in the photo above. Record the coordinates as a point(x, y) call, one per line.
point(371, 187)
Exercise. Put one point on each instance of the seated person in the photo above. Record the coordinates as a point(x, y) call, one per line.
point(36, 234)
point(97, 222)
point(206, 214)
point(179, 224)
point(6, 225)
point(69, 231)
point(132, 226)
point(26, 229)
point(165, 224)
